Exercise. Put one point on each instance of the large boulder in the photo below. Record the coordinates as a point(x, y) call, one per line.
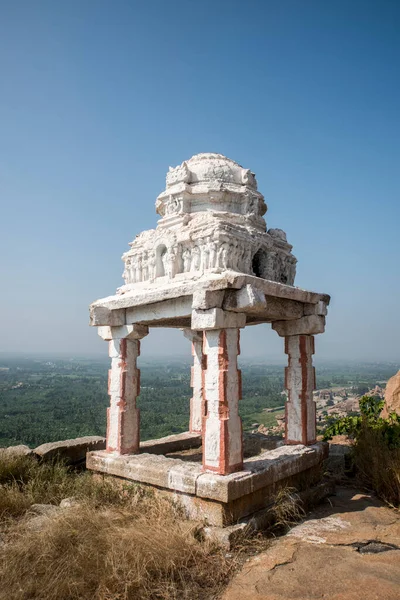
point(392, 396)
point(71, 451)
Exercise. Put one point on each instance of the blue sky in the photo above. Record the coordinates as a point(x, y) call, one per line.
point(99, 98)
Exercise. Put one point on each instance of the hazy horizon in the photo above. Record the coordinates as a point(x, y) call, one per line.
point(100, 100)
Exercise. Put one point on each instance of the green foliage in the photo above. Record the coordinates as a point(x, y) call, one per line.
point(370, 410)
point(44, 400)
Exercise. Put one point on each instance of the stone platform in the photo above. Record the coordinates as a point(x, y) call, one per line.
point(220, 500)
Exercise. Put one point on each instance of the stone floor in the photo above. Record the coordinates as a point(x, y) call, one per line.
point(347, 549)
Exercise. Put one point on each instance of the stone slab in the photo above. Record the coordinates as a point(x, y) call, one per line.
point(153, 469)
point(259, 471)
point(171, 443)
point(72, 451)
point(227, 280)
point(309, 325)
point(263, 470)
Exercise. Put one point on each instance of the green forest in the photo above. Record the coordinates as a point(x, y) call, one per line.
point(49, 399)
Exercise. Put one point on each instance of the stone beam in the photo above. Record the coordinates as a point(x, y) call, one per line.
point(160, 311)
point(320, 308)
point(131, 332)
point(224, 281)
point(99, 315)
point(216, 318)
point(253, 301)
point(205, 299)
point(309, 325)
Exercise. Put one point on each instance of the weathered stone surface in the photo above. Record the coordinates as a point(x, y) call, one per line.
point(392, 396)
point(316, 309)
point(44, 509)
point(130, 332)
point(205, 299)
point(69, 502)
point(260, 471)
point(211, 221)
point(72, 451)
point(300, 425)
point(213, 281)
point(154, 469)
point(105, 316)
point(210, 266)
point(310, 325)
point(171, 443)
point(20, 450)
point(216, 318)
point(348, 549)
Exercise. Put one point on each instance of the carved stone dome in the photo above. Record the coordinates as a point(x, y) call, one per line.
point(209, 166)
point(212, 170)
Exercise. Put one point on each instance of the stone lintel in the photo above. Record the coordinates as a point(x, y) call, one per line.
point(309, 325)
point(254, 302)
point(316, 309)
point(168, 310)
point(247, 298)
point(131, 332)
point(151, 293)
point(99, 315)
point(216, 318)
point(205, 299)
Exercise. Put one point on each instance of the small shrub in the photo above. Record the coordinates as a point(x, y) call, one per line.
point(376, 457)
point(376, 448)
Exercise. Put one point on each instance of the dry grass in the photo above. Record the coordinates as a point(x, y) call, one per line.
point(24, 481)
point(378, 465)
point(287, 508)
point(145, 552)
point(121, 543)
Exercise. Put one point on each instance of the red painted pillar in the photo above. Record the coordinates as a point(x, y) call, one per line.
point(300, 427)
point(222, 426)
point(123, 435)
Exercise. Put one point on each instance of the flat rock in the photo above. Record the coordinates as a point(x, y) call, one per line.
point(44, 509)
point(348, 549)
point(70, 502)
point(20, 450)
point(72, 451)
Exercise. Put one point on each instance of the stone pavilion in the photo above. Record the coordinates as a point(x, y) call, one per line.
point(210, 268)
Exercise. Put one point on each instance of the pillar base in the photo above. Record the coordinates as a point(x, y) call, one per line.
point(220, 500)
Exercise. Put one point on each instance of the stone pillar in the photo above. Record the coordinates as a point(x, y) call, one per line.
point(196, 381)
point(123, 433)
point(222, 426)
point(300, 409)
point(300, 427)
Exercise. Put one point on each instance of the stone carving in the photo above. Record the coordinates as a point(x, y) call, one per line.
point(180, 174)
point(211, 220)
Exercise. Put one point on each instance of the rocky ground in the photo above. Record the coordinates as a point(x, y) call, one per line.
point(347, 549)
